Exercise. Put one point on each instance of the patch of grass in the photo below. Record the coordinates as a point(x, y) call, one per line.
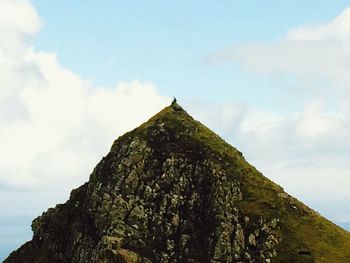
point(301, 229)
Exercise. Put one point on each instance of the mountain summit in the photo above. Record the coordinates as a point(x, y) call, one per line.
point(171, 190)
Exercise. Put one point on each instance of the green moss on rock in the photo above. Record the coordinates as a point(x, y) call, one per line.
point(171, 190)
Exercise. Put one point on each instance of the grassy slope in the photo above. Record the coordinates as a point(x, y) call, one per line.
point(302, 229)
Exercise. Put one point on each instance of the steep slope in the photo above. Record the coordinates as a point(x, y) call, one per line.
point(173, 191)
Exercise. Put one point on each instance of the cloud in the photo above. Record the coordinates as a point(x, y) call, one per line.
point(221, 117)
point(337, 29)
point(318, 53)
point(306, 151)
point(315, 124)
point(18, 17)
point(54, 125)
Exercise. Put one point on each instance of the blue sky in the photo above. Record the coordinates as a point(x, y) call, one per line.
point(271, 77)
point(167, 42)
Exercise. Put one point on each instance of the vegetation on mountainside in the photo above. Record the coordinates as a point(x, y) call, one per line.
point(306, 236)
point(172, 190)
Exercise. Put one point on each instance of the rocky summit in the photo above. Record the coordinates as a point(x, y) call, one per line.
point(171, 190)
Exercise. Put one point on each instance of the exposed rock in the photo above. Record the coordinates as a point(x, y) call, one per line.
point(173, 191)
point(252, 240)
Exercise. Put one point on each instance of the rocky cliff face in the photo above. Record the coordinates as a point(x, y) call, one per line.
point(173, 191)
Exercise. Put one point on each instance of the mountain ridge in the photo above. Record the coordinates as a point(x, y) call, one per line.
point(171, 190)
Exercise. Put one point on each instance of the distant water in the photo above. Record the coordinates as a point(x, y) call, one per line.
point(14, 231)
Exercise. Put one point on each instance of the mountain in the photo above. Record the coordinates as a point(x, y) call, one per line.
point(171, 190)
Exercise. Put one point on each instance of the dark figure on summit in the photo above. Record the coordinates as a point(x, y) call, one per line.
point(175, 106)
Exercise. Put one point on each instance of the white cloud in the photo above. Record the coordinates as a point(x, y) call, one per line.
point(18, 17)
point(315, 124)
point(316, 54)
point(337, 29)
point(18, 20)
point(221, 117)
point(54, 126)
point(260, 122)
point(306, 151)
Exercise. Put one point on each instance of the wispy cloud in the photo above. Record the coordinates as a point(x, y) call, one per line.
point(312, 52)
point(306, 151)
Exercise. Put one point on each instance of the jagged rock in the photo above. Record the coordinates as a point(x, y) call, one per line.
point(251, 240)
point(173, 191)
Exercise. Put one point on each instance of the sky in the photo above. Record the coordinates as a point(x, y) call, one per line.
point(270, 77)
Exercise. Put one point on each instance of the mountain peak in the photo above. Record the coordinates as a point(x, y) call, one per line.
point(172, 190)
